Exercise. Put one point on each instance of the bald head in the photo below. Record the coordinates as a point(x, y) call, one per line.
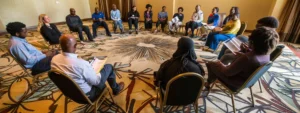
point(72, 11)
point(68, 43)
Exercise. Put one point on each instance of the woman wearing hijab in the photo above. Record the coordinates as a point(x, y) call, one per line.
point(183, 60)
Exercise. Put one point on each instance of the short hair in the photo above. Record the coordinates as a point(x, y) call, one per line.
point(217, 9)
point(263, 40)
point(14, 27)
point(269, 21)
point(148, 5)
point(163, 7)
point(180, 8)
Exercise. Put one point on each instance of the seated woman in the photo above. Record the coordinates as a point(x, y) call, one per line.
point(196, 21)
point(233, 10)
point(212, 22)
point(183, 60)
point(262, 41)
point(176, 21)
point(148, 17)
point(49, 31)
point(227, 32)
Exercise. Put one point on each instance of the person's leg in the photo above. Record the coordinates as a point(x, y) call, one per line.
point(42, 66)
point(193, 27)
point(120, 25)
point(130, 24)
point(170, 23)
point(157, 24)
point(150, 24)
point(115, 26)
point(218, 38)
point(187, 25)
point(95, 27)
point(79, 31)
point(211, 76)
point(145, 24)
point(222, 52)
point(163, 24)
point(108, 74)
point(136, 22)
point(87, 32)
point(177, 25)
point(228, 58)
point(103, 23)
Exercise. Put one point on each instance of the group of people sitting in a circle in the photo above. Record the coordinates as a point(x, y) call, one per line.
point(232, 68)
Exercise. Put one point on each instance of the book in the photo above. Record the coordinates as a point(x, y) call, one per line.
point(233, 44)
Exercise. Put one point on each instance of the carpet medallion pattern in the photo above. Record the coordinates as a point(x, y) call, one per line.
point(135, 58)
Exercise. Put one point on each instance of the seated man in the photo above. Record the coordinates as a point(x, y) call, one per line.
point(162, 19)
point(196, 21)
point(75, 24)
point(115, 15)
point(50, 31)
point(82, 72)
point(99, 20)
point(227, 57)
point(24, 52)
point(176, 21)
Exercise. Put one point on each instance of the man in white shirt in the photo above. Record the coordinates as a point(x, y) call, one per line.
point(82, 72)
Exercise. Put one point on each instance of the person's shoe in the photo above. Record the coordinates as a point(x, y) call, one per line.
point(130, 32)
point(109, 35)
point(122, 32)
point(155, 31)
point(136, 32)
point(121, 87)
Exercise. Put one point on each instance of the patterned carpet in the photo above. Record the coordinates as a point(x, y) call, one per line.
point(134, 58)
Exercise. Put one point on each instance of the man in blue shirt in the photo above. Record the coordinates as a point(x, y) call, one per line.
point(115, 15)
point(24, 52)
point(99, 20)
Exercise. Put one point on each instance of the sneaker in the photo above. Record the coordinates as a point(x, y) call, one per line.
point(122, 32)
point(121, 87)
point(136, 32)
point(155, 31)
point(130, 32)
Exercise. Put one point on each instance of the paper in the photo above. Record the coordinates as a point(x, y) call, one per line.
point(233, 44)
point(98, 64)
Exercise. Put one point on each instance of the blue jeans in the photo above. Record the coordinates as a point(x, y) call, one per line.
point(240, 37)
point(107, 74)
point(118, 23)
point(213, 39)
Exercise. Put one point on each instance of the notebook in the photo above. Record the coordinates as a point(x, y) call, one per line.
point(233, 45)
point(98, 63)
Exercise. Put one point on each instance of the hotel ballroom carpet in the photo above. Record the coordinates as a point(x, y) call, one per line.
point(135, 58)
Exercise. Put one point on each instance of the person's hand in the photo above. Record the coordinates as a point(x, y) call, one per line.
point(50, 53)
point(100, 19)
point(244, 47)
point(238, 54)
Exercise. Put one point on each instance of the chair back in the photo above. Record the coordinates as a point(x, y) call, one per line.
point(276, 52)
point(222, 16)
point(242, 29)
point(256, 75)
point(18, 62)
point(68, 87)
point(183, 89)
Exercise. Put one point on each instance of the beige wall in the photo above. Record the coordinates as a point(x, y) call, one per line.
point(93, 5)
point(250, 10)
point(156, 7)
point(27, 11)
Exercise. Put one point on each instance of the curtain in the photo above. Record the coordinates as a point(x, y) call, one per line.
point(289, 28)
point(123, 5)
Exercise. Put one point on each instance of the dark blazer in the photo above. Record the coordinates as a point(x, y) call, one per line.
point(50, 34)
point(73, 22)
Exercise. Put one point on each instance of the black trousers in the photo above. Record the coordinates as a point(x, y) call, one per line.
point(134, 22)
point(79, 30)
point(103, 24)
point(148, 24)
point(42, 66)
point(107, 74)
point(193, 25)
point(163, 24)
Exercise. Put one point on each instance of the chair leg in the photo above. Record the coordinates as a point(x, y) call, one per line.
point(211, 88)
point(111, 96)
point(252, 98)
point(96, 107)
point(196, 106)
point(259, 86)
point(156, 97)
point(233, 105)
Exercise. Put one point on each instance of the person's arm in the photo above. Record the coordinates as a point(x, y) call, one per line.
point(174, 15)
point(129, 14)
point(137, 15)
point(166, 19)
point(158, 16)
point(230, 29)
point(21, 53)
point(46, 34)
point(55, 28)
point(69, 22)
point(216, 20)
point(145, 15)
point(80, 20)
point(160, 74)
point(111, 15)
point(201, 17)
point(103, 19)
point(118, 15)
point(234, 68)
point(182, 18)
point(90, 75)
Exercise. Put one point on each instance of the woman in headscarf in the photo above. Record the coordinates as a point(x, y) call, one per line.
point(183, 60)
